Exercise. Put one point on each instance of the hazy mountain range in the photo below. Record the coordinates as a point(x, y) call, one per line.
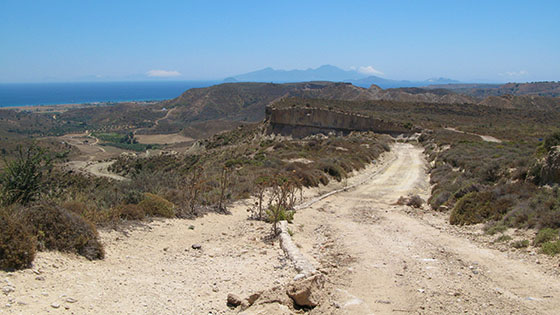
point(331, 73)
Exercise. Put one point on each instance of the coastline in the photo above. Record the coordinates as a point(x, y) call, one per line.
point(27, 95)
point(68, 106)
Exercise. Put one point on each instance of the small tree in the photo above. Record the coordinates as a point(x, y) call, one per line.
point(22, 178)
point(194, 186)
point(224, 183)
point(280, 203)
point(261, 184)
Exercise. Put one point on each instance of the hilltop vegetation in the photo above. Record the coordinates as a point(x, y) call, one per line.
point(548, 89)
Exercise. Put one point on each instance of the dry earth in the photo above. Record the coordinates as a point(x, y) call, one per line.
point(378, 257)
point(153, 269)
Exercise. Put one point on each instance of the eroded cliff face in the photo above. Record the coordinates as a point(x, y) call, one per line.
point(302, 122)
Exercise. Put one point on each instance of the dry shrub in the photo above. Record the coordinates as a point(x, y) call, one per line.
point(59, 229)
point(89, 212)
point(17, 246)
point(414, 201)
point(157, 206)
point(131, 212)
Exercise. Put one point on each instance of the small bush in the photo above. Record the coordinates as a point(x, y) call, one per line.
point(545, 235)
point(477, 207)
point(17, 246)
point(415, 201)
point(438, 199)
point(520, 244)
point(495, 228)
point(59, 229)
point(551, 248)
point(503, 238)
point(157, 206)
point(22, 179)
point(131, 212)
point(278, 213)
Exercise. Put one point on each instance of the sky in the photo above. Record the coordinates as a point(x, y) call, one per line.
point(470, 41)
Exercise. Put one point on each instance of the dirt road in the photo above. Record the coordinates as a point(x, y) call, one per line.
point(483, 137)
point(383, 258)
point(95, 168)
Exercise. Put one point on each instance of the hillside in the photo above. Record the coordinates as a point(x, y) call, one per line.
point(246, 101)
point(549, 89)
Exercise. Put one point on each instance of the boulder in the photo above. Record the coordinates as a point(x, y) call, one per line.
point(307, 292)
point(234, 300)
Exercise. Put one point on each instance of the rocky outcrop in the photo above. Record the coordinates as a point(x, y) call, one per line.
point(302, 122)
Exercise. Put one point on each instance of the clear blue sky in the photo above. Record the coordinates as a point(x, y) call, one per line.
point(192, 40)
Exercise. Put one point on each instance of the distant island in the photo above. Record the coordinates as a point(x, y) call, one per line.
point(331, 73)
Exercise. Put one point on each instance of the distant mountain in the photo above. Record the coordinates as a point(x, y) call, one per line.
point(323, 73)
point(331, 73)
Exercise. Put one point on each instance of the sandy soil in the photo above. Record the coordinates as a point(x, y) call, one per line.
point(378, 257)
point(153, 269)
point(384, 258)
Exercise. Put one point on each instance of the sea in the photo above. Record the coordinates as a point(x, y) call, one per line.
point(27, 94)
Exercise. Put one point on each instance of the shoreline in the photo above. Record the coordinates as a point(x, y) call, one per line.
point(68, 106)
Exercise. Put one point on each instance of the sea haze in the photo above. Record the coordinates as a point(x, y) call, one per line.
point(22, 94)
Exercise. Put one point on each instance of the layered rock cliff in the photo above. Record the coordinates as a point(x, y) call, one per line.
point(301, 122)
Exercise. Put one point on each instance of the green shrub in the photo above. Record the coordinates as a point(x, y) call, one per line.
point(17, 246)
point(439, 198)
point(545, 235)
point(520, 244)
point(59, 229)
point(22, 179)
point(495, 228)
point(503, 238)
point(477, 207)
point(157, 206)
point(551, 248)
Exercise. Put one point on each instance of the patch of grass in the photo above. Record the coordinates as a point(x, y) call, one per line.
point(545, 235)
point(520, 244)
point(503, 238)
point(551, 248)
point(497, 227)
point(59, 229)
point(17, 245)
